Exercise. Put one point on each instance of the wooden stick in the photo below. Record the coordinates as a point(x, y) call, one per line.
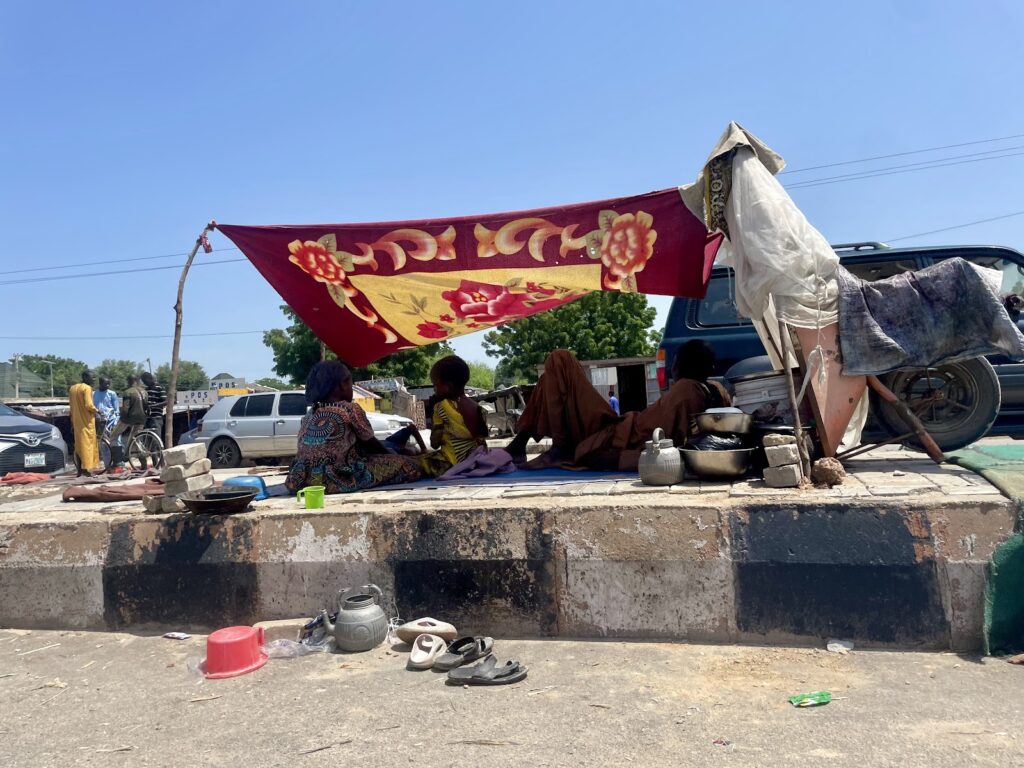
point(172, 385)
point(909, 418)
point(805, 460)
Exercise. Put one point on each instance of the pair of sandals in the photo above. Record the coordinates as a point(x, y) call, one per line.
point(432, 652)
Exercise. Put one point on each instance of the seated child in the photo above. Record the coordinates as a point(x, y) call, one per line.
point(458, 424)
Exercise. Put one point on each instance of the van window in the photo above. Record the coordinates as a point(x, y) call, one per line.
point(879, 270)
point(292, 405)
point(1012, 273)
point(718, 307)
point(238, 409)
point(260, 405)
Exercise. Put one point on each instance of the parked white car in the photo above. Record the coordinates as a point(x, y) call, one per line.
point(265, 426)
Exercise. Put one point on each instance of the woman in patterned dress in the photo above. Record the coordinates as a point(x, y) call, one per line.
point(336, 447)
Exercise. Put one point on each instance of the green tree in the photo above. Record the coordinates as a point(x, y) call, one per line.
point(601, 325)
point(191, 375)
point(118, 372)
point(270, 381)
point(296, 349)
point(66, 371)
point(481, 375)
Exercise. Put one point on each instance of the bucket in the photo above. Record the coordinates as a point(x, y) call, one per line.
point(233, 651)
point(754, 393)
point(313, 496)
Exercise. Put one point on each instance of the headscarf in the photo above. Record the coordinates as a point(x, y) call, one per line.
point(323, 379)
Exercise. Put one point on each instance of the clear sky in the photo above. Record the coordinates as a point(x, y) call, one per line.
point(126, 126)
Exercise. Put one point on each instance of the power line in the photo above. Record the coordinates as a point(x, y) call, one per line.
point(902, 154)
point(922, 164)
point(113, 272)
point(122, 338)
point(106, 261)
point(824, 182)
point(955, 226)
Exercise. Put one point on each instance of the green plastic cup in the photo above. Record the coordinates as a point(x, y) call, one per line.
point(313, 496)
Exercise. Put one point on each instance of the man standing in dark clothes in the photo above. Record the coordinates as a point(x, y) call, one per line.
point(156, 402)
point(133, 420)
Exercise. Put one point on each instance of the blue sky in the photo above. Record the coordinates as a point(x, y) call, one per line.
point(128, 125)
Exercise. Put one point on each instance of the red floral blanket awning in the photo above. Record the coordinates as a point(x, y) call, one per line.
point(368, 290)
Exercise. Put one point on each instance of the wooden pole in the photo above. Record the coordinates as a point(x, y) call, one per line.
point(801, 447)
point(172, 385)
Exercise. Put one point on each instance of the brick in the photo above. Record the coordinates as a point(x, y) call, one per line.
point(787, 476)
point(171, 504)
point(281, 629)
point(781, 455)
point(184, 454)
point(774, 439)
point(183, 471)
point(197, 483)
point(153, 504)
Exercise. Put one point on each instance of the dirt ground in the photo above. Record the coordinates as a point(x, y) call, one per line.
point(101, 699)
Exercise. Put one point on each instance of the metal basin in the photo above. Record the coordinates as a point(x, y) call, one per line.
point(219, 501)
point(717, 463)
point(725, 423)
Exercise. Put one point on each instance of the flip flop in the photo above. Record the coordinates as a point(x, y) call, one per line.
point(425, 651)
point(409, 631)
point(463, 651)
point(488, 672)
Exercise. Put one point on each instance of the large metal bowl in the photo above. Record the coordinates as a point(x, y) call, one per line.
point(725, 423)
point(219, 501)
point(732, 463)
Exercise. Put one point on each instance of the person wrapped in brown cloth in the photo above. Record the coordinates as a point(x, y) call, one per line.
point(586, 433)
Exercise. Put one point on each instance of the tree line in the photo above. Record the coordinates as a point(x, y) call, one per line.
point(68, 371)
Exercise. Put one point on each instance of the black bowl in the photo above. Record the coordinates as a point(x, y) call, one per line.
point(219, 501)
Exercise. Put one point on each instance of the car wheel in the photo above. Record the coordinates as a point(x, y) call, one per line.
point(224, 453)
point(957, 403)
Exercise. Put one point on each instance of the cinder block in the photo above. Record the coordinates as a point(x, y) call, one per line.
point(197, 483)
point(781, 455)
point(281, 629)
point(184, 454)
point(776, 439)
point(787, 476)
point(153, 504)
point(183, 471)
point(171, 504)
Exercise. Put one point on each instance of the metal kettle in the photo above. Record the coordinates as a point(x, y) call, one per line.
point(661, 463)
point(361, 623)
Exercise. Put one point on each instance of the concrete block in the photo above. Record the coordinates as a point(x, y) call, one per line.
point(197, 483)
point(171, 504)
point(153, 504)
point(772, 440)
point(781, 455)
point(281, 629)
point(782, 477)
point(184, 454)
point(183, 471)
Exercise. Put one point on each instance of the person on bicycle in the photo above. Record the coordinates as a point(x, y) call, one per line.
point(108, 407)
point(133, 420)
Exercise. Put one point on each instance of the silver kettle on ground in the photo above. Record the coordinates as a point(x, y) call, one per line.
point(361, 623)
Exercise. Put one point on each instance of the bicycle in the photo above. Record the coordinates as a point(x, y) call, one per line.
point(145, 449)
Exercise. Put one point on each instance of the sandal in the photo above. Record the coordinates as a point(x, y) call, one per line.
point(425, 651)
point(463, 651)
point(488, 672)
point(409, 631)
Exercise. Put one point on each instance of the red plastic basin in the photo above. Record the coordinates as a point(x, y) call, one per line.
point(233, 651)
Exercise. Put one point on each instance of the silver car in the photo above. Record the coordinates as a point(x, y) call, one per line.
point(265, 426)
point(29, 445)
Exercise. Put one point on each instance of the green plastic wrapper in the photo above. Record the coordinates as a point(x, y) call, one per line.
point(813, 699)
